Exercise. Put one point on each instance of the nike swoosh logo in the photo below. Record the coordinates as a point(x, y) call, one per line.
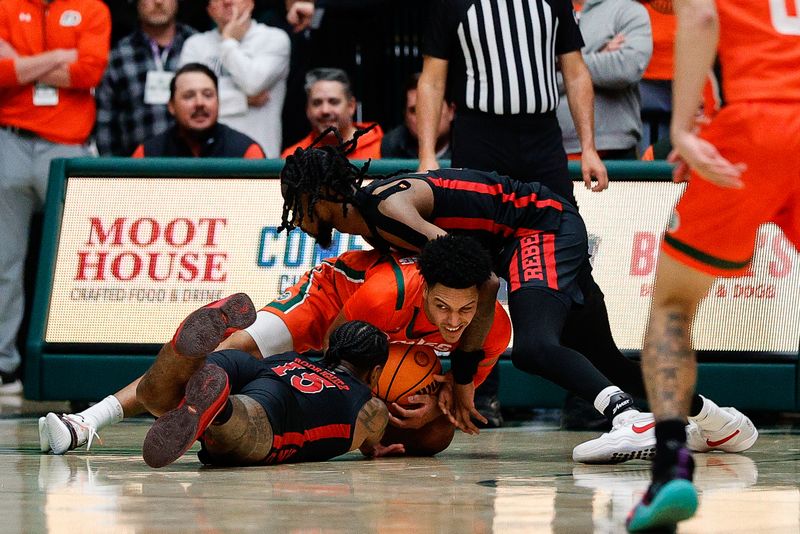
point(645, 428)
point(723, 440)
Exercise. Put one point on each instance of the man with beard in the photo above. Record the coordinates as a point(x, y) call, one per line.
point(194, 103)
point(330, 103)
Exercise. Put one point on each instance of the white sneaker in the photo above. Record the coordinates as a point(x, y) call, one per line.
point(69, 431)
point(44, 435)
point(633, 437)
point(738, 434)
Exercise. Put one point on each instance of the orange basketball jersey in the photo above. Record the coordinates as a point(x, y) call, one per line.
point(759, 48)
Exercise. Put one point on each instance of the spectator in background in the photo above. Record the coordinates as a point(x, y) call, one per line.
point(330, 102)
point(656, 84)
point(252, 63)
point(46, 111)
point(194, 102)
point(617, 48)
point(132, 99)
point(403, 141)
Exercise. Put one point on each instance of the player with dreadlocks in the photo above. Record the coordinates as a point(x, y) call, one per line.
point(320, 173)
point(538, 243)
point(246, 411)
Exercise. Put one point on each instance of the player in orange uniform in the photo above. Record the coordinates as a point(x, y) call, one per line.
point(744, 170)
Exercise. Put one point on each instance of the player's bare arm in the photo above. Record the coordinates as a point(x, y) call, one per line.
point(695, 49)
point(370, 426)
point(410, 207)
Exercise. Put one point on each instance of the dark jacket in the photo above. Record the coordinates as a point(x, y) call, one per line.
point(224, 142)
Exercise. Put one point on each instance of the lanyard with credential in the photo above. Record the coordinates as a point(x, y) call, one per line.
point(159, 59)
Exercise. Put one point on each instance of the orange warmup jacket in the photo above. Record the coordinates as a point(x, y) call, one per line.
point(32, 27)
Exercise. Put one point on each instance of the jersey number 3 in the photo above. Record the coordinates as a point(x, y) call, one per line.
point(781, 19)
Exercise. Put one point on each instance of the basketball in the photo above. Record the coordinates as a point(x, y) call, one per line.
point(409, 370)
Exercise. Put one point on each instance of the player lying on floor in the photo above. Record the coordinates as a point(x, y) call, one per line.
point(246, 411)
point(428, 300)
point(539, 245)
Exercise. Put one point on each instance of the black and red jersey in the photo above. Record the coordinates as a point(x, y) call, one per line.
point(313, 415)
point(493, 209)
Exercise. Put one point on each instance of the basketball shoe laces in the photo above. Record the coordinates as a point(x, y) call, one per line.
point(78, 421)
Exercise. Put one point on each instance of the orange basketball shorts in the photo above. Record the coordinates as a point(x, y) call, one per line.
point(309, 307)
point(714, 229)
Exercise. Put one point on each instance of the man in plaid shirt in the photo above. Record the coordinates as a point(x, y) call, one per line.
point(132, 98)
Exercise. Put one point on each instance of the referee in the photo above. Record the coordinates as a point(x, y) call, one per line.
point(505, 57)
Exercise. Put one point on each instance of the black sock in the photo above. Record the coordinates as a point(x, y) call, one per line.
point(697, 405)
point(671, 430)
point(670, 439)
point(225, 414)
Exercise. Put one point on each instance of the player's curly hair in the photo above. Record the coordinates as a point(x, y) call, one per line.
point(358, 343)
point(323, 173)
point(456, 261)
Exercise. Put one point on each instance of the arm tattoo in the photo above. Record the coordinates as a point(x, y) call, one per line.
point(374, 416)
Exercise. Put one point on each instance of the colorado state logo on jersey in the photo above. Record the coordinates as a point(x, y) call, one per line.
point(69, 18)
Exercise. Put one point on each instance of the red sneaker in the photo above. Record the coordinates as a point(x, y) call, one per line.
point(173, 433)
point(204, 329)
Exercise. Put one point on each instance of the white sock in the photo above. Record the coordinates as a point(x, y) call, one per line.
point(710, 418)
point(106, 412)
point(604, 397)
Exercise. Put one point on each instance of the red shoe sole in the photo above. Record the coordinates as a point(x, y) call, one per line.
point(204, 329)
point(175, 432)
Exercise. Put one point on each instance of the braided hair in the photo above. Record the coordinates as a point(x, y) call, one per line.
point(360, 344)
point(456, 261)
point(322, 173)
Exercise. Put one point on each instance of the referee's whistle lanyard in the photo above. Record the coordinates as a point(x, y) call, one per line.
point(160, 59)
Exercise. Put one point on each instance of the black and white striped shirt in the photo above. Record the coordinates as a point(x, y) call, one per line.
point(502, 52)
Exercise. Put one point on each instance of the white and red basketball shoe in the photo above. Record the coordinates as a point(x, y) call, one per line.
point(632, 437)
point(736, 435)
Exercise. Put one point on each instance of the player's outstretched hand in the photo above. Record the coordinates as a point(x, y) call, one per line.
point(464, 408)
point(381, 451)
point(592, 168)
point(423, 410)
point(445, 395)
point(705, 159)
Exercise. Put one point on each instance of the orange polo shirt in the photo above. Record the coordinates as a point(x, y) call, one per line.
point(33, 27)
point(369, 144)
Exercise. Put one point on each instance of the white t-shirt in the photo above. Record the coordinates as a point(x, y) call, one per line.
point(260, 61)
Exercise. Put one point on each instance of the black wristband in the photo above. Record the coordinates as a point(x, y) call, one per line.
point(464, 365)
